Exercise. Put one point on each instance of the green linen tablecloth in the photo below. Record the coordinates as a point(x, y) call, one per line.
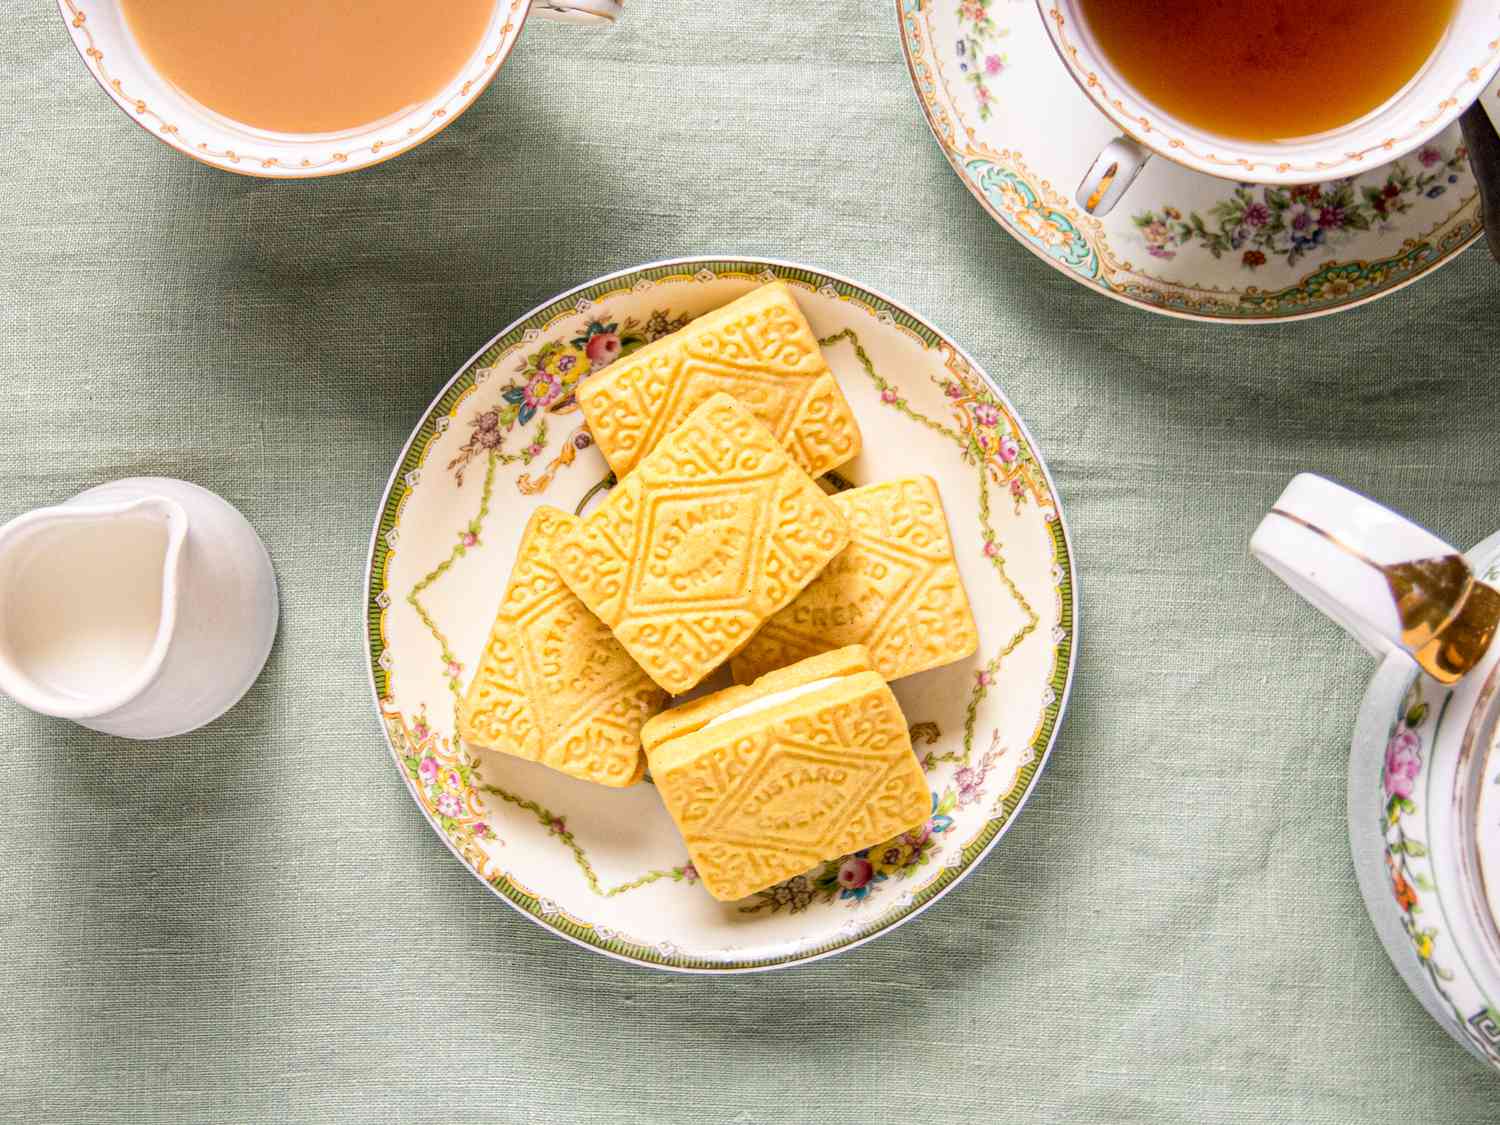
point(254, 923)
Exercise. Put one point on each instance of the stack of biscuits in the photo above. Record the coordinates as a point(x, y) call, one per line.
point(715, 547)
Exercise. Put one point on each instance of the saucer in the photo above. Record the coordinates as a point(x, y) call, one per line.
point(606, 868)
point(1020, 134)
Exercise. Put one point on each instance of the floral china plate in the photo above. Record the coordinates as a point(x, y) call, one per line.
point(1020, 134)
point(605, 868)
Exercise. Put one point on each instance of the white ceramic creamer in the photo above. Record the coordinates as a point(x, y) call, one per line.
point(143, 608)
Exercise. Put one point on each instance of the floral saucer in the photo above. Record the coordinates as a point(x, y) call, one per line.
point(1020, 134)
point(605, 868)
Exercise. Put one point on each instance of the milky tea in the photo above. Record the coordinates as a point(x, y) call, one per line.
point(308, 66)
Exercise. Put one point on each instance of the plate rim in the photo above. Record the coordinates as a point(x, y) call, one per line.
point(753, 264)
point(905, 7)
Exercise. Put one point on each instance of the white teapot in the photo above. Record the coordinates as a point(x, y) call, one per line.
point(1424, 774)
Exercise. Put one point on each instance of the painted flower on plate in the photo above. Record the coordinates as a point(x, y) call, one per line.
point(540, 390)
point(1403, 761)
point(603, 348)
point(1406, 894)
point(857, 877)
point(566, 364)
point(795, 894)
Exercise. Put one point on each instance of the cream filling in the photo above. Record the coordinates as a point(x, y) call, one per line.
point(775, 699)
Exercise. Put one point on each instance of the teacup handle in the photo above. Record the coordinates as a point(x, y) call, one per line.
point(1389, 583)
point(579, 11)
point(1111, 175)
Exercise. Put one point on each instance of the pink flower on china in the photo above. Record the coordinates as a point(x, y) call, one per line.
point(985, 678)
point(541, 390)
point(1017, 489)
point(533, 449)
point(427, 769)
point(455, 669)
point(1430, 156)
point(970, 783)
point(452, 780)
point(1009, 449)
point(990, 549)
point(993, 64)
point(986, 415)
point(953, 390)
point(690, 873)
point(448, 804)
point(1332, 218)
point(468, 539)
point(603, 348)
point(888, 395)
point(855, 872)
point(1403, 761)
point(420, 729)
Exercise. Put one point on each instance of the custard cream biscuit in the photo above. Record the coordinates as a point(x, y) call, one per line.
point(895, 589)
point(807, 764)
point(758, 349)
point(713, 532)
point(553, 685)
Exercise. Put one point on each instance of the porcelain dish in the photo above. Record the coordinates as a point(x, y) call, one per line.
point(605, 867)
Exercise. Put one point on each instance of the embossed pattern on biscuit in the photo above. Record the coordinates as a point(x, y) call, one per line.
point(764, 798)
point(758, 349)
point(895, 589)
point(553, 684)
point(715, 531)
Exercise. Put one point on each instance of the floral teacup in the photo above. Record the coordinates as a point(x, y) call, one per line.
point(1424, 788)
point(100, 33)
point(1465, 61)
